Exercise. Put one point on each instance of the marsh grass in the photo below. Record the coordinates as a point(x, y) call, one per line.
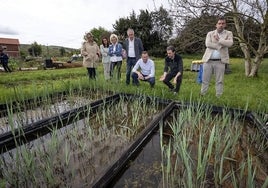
point(44, 107)
point(213, 150)
point(79, 153)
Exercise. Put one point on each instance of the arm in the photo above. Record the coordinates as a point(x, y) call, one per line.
point(118, 51)
point(212, 42)
point(152, 71)
point(228, 41)
point(83, 50)
point(136, 66)
point(165, 71)
point(102, 51)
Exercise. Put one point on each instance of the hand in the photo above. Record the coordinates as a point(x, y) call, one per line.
point(216, 37)
point(140, 76)
point(162, 78)
point(175, 80)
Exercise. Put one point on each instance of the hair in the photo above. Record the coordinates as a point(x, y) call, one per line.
point(144, 52)
point(171, 48)
point(105, 45)
point(113, 36)
point(221, 18)
point(87, 34)
point(130, 30)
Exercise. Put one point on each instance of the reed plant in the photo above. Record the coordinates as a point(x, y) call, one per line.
point(78, 153)
point(212, 150)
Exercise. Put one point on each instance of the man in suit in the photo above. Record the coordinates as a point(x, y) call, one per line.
point(134, 48)
point(216, 56)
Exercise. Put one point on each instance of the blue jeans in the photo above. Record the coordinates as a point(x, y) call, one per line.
point(130, 64)
point(136, 79)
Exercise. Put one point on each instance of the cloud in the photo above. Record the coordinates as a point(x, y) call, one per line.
point(8, 31)
point(64, 22)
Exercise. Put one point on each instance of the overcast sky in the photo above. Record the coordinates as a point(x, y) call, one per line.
point(64, 22)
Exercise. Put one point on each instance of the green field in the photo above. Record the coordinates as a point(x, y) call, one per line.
point(239, 91)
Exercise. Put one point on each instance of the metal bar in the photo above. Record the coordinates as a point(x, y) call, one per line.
point(12, 139)
point(132, 152)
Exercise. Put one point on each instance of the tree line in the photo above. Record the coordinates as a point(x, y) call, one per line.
point(185, 25)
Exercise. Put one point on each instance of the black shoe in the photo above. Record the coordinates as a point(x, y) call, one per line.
point(171, 89)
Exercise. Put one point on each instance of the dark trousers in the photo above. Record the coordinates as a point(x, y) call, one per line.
point(130, 64)
point(91, 72)
point(169, 76)
point(7, 69)
point(136, 80)
point(116, 65)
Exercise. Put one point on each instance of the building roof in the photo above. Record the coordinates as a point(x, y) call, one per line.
point(9, 41)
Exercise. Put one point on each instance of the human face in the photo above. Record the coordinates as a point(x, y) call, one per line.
point(113, 40)
point(145, 57)
point(89, 38)
point(220, 25)
point(131, 35)
point(104, 41)
point(170, 54)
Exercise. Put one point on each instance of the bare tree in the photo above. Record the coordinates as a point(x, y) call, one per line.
point(239, 11)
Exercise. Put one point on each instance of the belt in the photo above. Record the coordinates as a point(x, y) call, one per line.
point(215, 59)
point(131, 57)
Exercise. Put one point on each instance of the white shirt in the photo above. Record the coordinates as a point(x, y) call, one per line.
point(131, 49)
point(147, 69)
point(216, 53)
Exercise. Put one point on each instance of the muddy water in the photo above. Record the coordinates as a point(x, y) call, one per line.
point(35, 114)
point(77, 154)
point(145, 170)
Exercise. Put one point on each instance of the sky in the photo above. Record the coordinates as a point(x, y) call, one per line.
point(64, 22)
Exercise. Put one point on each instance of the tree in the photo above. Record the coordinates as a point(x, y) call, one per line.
point(154, 29)
point(62, 51)
point(98, 33)
point(35, 49)
point(240, 12)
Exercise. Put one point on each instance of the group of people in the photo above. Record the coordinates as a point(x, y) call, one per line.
point(141, 68)
point(138, 64)
point(4, 59)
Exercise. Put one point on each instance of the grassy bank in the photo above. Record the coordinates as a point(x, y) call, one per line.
point(239, 91)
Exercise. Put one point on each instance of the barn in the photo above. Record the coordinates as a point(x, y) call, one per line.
point(12, 46)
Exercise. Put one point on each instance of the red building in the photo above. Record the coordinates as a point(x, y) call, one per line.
point(12, 46)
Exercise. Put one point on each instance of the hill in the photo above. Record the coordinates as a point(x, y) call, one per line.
point(52, 51)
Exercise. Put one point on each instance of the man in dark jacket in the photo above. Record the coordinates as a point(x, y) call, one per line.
point(133, 47)
point(173, 69)
point(4, 60)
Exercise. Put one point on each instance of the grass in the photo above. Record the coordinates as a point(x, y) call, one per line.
point(239, 91)
point(206, 150)
point(76, 155)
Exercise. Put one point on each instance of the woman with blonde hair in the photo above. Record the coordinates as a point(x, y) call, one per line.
point(115, 53)
point(90, 52)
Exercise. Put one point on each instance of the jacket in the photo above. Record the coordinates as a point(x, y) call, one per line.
point(138, 47)
point(222, 45)
point(90, 53)
point(174, 66)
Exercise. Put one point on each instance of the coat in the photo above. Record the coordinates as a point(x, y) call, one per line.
point(138, 47)
point(90, 53)
point(222, 45)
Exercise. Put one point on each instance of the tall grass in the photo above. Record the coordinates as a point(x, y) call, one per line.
point(78, 153)
point(212, 150)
